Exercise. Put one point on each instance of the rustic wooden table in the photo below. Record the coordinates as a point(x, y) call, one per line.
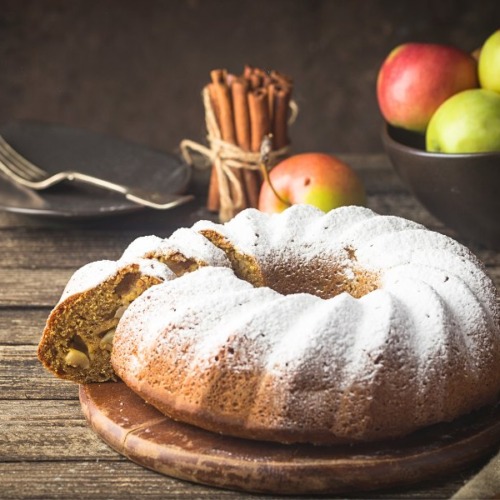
point(46, 448)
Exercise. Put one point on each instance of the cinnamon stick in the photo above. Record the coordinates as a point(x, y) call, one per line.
point(239, 89)
point(281, 79)
point(279, 126)
point(271, 91)
point(264, 76)
point(247, 71)
point(254, 77)
point(222, 94)
point(226, 120)
point(259, 117)
point(213, 198)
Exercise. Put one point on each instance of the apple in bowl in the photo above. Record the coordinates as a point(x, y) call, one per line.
point(468, 122)
point(316, 179)
point(489, 63)
point(416, 78)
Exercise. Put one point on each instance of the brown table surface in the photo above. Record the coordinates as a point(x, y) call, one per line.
point(46, 448)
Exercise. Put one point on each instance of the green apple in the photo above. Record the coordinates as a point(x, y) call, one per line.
point(416, 78)
point(468, 122)
point(489, 63)
point(313, 178)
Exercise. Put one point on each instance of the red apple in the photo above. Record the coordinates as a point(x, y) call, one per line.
point(416, 78)
point(314, 178)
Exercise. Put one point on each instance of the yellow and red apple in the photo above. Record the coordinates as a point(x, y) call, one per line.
point(313, 178)
point(416, 78)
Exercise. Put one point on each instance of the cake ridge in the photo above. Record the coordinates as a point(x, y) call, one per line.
point(184, 250)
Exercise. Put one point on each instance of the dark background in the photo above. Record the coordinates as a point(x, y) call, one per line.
point(135, 69)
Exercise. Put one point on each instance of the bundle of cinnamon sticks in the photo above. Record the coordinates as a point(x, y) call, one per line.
point(247, 108)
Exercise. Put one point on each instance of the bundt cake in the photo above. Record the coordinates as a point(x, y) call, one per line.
point(77, 339)
point(327, 328)
point(294, 327)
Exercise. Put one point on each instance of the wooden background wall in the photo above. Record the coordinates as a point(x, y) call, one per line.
point(136, 68)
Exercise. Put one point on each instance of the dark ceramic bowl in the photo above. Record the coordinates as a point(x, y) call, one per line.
point(461, 190)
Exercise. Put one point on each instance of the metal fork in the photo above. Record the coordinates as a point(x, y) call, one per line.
point(21, 170)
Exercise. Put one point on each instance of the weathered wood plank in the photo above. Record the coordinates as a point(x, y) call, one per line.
point(376, 173)
point(22, 326)
point(72, 248)
point(494, 274)
point(59, 248)
point(101, 480)
point(22, 376)
point(32, 287)
point(55, 430)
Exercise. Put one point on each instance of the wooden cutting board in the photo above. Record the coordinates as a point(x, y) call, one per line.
point(144, 435)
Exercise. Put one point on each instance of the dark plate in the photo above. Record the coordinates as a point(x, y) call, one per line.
point(56, 147)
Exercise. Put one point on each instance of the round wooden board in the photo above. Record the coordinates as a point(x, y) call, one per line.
point(141, 433)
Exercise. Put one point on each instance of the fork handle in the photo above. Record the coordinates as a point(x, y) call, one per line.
point(157, 200)
point(95, 181)
point(137, 195)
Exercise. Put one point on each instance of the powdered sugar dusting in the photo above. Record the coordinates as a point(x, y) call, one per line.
point(142, 247)
point(153, 268)
point(195, 246)
point(88, 277)
point(382, 244)
point(95, 273)
point(186, 241)
point(429, 331)
point(427, 248)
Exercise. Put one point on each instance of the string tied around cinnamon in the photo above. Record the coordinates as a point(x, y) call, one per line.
point(228, 158)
